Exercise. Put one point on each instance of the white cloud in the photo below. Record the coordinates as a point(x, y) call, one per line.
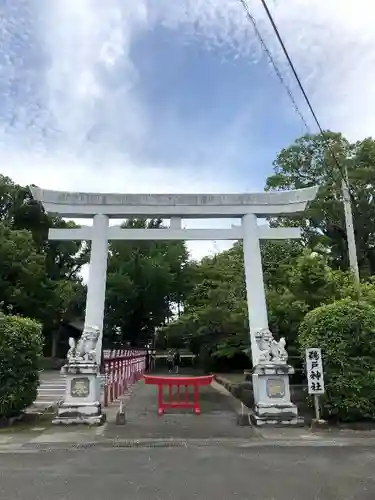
point(91, 77)
point(331, 43)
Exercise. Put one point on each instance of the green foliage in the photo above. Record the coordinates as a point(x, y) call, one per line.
point(214, 321)
point(145, 279)
point(22, 271)
point(277, 259)
point(38, 278)
point(20, 351)
point(308, 283)
point(307, 162)
point(345, 331)
point(41, 278)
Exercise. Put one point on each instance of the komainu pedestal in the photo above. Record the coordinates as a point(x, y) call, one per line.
point(272, 404)
point(81, 403)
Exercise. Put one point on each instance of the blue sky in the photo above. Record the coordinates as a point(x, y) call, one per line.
point(207, 108)
point(161, 96)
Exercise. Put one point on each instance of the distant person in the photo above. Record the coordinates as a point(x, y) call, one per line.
point(170, 360)
point(177, 360)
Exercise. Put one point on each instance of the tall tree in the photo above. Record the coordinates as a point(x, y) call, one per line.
point(309, 161)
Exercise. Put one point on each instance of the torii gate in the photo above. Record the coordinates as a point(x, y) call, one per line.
point(247, 207)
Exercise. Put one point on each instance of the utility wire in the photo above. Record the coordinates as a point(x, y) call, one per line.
point(273, 62)
point(292, 67)
point(286, 53)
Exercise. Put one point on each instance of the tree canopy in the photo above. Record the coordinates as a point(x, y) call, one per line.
point(309, 161)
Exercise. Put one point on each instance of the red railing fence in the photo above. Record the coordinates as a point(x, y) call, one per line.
point(181, 399)
point(122, 368)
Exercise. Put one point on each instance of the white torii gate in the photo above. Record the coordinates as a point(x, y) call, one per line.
point(247, 207)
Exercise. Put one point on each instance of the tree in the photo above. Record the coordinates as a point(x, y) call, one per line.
point(277, 259)
point(308, 283)
point(20, 211)
point(214, 321)
point(309, 161)
point(54, 291)
point(66, 302)
point(22, 272)
point(297, 280)
point(145, 280)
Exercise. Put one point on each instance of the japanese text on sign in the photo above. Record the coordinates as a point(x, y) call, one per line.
point(314, 368)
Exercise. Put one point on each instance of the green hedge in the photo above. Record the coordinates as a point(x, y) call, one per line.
point(20, 350)
point(345, 331)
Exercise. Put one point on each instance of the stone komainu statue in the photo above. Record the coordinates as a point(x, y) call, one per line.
point(84, 351)
point(271, 351)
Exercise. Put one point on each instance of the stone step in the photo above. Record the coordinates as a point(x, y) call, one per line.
point(51, 389)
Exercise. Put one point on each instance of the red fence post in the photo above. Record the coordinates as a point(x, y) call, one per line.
point(123, 382)
point(126, 360)
point(112, 378)
point(160, 400)
point(116, 377)
point(196, 407)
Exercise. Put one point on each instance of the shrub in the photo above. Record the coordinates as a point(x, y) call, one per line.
point(20, 350)
point(345, 331)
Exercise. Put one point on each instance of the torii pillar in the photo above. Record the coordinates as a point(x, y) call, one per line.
point(272, 403)
point(255, 291)
point(97, 279)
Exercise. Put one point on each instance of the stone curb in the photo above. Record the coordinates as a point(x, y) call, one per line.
point(188, 443)
point(243, 412)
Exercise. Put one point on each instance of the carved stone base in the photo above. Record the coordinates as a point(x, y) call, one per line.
point(277, 415)
point(88, 414)
point(81, 404)
point(272, 405)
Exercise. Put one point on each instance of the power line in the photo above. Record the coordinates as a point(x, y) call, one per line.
point(273, 62)
point(269, 15)
point(292, 67)
point(251, 18)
